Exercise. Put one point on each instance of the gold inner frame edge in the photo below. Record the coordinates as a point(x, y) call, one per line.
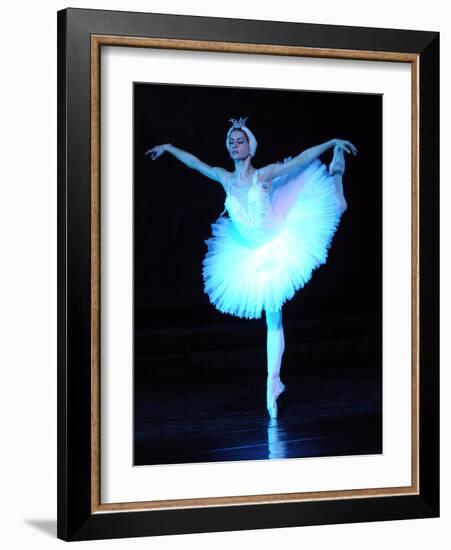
point(97, 41)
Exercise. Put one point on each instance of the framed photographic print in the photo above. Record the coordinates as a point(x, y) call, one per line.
point(248, 274)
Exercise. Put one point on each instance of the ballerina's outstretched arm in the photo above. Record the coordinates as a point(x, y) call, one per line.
point(213, 172)
point(275, 170)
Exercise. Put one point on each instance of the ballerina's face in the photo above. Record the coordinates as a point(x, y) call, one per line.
point(238, 145)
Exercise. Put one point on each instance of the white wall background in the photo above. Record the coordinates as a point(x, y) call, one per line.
point(28, 273)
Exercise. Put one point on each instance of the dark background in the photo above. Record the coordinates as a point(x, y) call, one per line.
point(183, 346)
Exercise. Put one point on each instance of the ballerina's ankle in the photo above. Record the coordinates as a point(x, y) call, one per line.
point(271, 404)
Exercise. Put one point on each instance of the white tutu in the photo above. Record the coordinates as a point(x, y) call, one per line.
point(261, 255)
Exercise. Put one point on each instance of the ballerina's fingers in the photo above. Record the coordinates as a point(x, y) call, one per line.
point(352, 148)
point(153, 153)
point(349, 148)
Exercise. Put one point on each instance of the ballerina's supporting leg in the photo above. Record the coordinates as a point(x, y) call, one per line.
point(275, 346)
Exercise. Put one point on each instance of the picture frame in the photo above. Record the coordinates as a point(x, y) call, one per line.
point(81, 36)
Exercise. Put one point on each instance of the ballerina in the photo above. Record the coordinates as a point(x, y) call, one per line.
point(282, 218)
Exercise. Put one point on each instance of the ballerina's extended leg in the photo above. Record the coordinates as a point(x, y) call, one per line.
point(275, 347)
point(336, 169)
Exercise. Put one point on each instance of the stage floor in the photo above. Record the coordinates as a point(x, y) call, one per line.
point(325, 411)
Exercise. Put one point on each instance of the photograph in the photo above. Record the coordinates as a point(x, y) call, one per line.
point(247, 274)
point(224, 284)
point(257, 244)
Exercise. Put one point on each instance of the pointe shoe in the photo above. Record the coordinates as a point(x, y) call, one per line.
point(337, 166)
point(271, 400)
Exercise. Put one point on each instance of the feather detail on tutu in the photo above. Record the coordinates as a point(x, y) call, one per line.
point(243, 278)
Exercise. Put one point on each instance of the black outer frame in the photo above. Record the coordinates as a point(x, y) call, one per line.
point(75, 520)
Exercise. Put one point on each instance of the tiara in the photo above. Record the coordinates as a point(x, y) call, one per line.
point(238, 123)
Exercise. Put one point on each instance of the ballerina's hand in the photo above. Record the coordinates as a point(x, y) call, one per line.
point(155, 152)
point(346, 146)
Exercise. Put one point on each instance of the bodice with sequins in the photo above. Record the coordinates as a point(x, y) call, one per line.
point(252, 217)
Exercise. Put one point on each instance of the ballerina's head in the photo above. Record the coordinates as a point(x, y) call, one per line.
point(240, 141)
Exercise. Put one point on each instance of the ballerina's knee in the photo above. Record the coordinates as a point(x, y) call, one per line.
point(338, 180)
point(274, 320)
point(343, 205)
